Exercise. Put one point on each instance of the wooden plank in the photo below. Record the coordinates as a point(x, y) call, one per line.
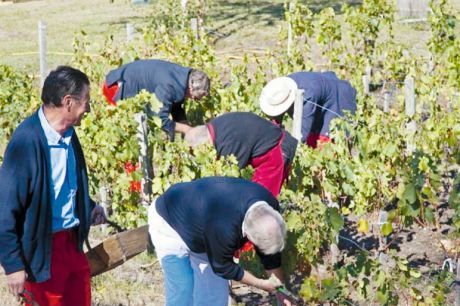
point(117, 249)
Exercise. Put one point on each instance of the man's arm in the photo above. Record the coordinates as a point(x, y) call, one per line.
point(14, 184)
point(182, 128)
point(264, 284)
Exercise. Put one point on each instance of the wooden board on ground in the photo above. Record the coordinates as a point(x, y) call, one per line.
point(117, 249)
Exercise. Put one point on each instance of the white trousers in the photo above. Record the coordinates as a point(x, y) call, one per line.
point(188, 276)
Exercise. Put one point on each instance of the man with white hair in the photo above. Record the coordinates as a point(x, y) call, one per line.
point(253, 140)
point(197, 226)
point(325, 97)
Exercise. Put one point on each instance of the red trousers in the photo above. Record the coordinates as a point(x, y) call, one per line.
point(110, 92)
point(316, 140)
point(69, 284)
point(269, 170)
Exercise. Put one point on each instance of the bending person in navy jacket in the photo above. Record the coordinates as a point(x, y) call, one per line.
point(197, 226)
point(252, 140)
point(171, 83)
point(45, 208)
point(325, 97)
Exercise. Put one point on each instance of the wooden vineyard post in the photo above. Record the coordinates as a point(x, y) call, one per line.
point(386, 102)
point(129, 32)
point(409, 89)
point(369, 72)
point(42, 50)
point(366, 84)
point(289, 42)
point(457, 285)
point(298, 112)
point(144, 161)
point(104, 203)
point(194, 27)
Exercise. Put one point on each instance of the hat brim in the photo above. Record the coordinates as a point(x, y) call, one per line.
point(275, 110)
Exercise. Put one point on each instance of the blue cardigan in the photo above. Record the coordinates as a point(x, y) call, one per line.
point(168, 81)
point(25, 203)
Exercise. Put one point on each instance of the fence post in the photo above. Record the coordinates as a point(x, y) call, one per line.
point(369, 71)
point(409, 89)
point(297, 118)
point(42, 50)
point(144, 161)
point(194, 26)
point(366, 84)
point(386, 102)
point(457, 286)
point(104, 204)
point(129, 32)
point(289, 42)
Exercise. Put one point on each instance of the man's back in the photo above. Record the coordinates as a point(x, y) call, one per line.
point(151, 75)
point(244, 135)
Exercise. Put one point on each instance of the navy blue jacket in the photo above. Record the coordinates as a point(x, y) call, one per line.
point(247, 136)
point(168, 81)
point(329, 92)
point(208, 215)
point(25, 202)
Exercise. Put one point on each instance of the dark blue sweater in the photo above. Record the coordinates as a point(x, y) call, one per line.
point(208, 215)
point(329, 92)
point(25, 202)
point(168, 81)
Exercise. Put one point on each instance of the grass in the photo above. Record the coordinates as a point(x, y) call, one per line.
point(19, 23)
point(235, 25)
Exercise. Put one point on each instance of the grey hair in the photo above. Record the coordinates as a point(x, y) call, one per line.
point(198, 135)
point(198, 82)
point(265, 227)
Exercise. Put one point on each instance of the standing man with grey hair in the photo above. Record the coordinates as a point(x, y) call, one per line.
point(45, 208)
point(197, 226)
point(171, 83)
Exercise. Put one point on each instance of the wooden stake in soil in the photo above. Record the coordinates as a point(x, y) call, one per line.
point(411, 126)
point(104, 203)
point(194, 27)
point(386, 102)
point(42, 48)
point(366, 84)
point(298, 112)
point(144, 161)
point(289, 42)
point(129, 32)
point(457, 286)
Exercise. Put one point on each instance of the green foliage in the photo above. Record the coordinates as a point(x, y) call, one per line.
point(367, 168)
point(363, 279)
point(18, 99)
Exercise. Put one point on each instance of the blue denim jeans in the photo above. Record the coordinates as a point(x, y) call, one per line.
point(190, 281)
point(188, 276)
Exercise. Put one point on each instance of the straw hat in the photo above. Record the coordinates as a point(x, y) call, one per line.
point(277, 96)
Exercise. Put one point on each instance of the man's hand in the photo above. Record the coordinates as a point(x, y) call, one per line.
point(182, 128)
point(98, 215)
point(15, 282)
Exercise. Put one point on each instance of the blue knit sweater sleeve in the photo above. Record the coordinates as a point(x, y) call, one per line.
point(15, 179)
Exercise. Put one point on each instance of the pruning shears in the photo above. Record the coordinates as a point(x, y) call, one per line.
point(283, 294)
